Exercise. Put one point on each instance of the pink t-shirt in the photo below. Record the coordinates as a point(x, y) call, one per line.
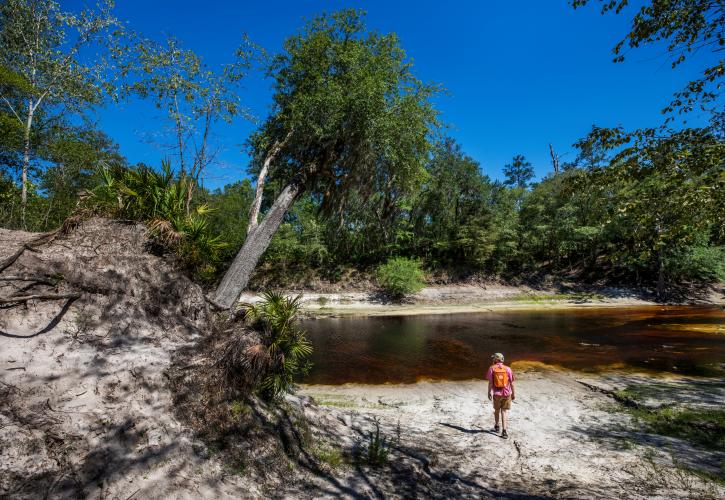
point(504, 391)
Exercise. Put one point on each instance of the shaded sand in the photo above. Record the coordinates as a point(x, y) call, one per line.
point(566, 440)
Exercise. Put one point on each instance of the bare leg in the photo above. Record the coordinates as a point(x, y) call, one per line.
point(495, 415)
point(504, 419)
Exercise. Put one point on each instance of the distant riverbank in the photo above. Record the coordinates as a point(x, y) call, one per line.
point(477, 298)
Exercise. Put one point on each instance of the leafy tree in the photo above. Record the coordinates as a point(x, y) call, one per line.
point(193, 95)
point(519, 172)
point(687, 27)
point(41, 51)
point(348, 116)
point(452, 216)
point(74, 154)
point(670, 191)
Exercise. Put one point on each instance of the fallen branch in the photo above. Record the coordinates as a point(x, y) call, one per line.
point(40, 296)
point(628, 402)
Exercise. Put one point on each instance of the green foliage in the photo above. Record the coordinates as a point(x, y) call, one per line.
point(685, 27)
point(328, 454)
point(239, 408)
point(159, 199)
point(284, 350)
point(378, 448)
point(228, 215)
point(400, 276)
point(349, 117)
point(452, 220)
point(519, 172)
point(704, 427)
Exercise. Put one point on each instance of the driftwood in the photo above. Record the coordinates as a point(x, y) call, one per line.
point(39, 296)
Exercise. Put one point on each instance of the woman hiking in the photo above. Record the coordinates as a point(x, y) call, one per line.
point(501, 391)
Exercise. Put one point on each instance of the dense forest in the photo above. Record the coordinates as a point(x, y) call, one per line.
point(382, 179)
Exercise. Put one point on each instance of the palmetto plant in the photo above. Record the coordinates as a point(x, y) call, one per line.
point(283, 351)
point(158, 198)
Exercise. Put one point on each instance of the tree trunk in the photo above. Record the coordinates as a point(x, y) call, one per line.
point(179, 137)
point(26, 164)
point(660, 276)
point(237, 277)
point(554, 159)
point(261, 178)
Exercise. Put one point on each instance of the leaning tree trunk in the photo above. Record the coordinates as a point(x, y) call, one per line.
point(236, 278)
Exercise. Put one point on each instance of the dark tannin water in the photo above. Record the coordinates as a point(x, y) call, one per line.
point(374, 350)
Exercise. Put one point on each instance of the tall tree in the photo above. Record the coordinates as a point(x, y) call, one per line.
point(519, 172)
point(348, 116)
point(193, 96)
point(42, 44)
point(452, 217)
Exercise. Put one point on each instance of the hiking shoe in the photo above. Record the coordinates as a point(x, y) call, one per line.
point(505, 434)
point(496, 428)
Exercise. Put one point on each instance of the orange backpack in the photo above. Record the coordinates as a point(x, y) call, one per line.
point(500, 376)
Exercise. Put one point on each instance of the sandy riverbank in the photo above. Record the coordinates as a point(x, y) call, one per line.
point(474, 298)
point(566, 440)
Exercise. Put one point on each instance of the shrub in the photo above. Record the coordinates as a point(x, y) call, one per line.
point(400, 276)
point(159, 199)
point(282, 352)
point(378, 448)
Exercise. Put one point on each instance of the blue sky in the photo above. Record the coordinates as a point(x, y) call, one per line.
point(519, 75)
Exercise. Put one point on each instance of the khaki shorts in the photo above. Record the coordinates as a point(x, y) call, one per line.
point(502, 402)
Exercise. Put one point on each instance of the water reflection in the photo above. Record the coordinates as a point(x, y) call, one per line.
point(685, 340)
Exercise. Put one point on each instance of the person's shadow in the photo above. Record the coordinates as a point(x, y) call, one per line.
point(468, 431)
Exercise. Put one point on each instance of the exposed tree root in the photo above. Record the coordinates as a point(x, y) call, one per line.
point(40, 296)
point(42, 239)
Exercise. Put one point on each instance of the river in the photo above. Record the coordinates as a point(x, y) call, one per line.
point(685, 340)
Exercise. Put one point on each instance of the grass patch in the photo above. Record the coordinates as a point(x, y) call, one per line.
point(337, 403)
point(704, 427)
point(328, 454)
point(630, 394)
point(239, 408)
point(346, 403)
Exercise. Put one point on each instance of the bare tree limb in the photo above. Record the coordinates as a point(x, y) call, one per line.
point(257, 203)
point(13, 110)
